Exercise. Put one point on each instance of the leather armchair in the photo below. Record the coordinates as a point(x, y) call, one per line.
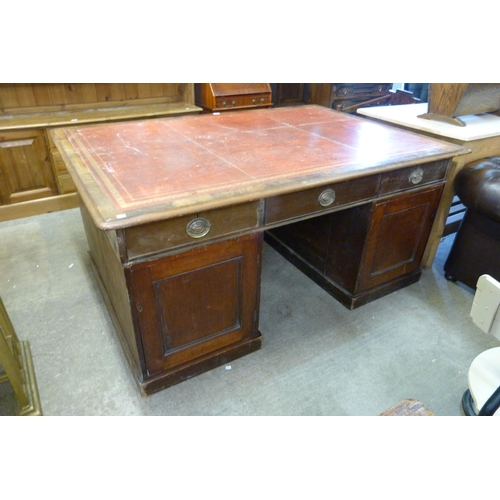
point(476, 249)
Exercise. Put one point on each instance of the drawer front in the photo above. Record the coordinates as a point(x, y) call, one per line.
point(320, 199)
point(161, 236)
point(346, 89)
point(412, 177)
point(243, 101)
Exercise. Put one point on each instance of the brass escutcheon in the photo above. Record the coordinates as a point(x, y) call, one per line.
point(326, 198)
point(198, 228)
point(416, 176)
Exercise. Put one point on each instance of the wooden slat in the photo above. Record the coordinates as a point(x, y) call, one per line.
point(117, 92)
point(37, 207)
point(8, 97)
point(40, 98)
point(57, 94)
point(32, 194)
point(41, 91)
point(145, 90)
point(155, 108)
point(26, 95)
point(131, 91)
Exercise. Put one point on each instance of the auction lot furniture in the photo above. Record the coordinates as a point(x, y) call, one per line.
point(481, 135)
point(217, 97)
point(33, 179)
point(175, 211)
point(476, 247)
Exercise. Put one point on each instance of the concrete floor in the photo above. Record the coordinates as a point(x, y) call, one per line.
point(318, 358)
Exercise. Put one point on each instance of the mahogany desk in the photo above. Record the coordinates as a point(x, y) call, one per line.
point(175, 212)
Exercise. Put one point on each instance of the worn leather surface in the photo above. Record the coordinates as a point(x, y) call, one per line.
point(476, 248)
point(478, 186)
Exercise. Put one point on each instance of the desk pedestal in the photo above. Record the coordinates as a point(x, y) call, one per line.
point(365, 252)
point(183, 313)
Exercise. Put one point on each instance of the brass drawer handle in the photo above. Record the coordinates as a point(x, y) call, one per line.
point(416, 176)
point(198, 228)
point(326, 198)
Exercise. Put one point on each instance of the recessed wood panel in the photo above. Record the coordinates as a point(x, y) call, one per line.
point(26, 172)
point(195, 303)
point(217, 313)
point(398, 234)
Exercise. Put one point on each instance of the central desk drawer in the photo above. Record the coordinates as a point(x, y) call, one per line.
point(320, 199)
point(412, 177)
point(156, 237)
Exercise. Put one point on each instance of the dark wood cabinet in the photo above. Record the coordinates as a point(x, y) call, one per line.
point(369, 250)
point(196, 305)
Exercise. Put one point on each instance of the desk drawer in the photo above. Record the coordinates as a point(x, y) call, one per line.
point(320, 199)
point(235, 101)
point(412, 177)
point(161, 236)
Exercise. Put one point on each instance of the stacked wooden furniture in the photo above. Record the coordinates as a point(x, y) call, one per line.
point(33, 179)
point(341, 96)
point(217, 97)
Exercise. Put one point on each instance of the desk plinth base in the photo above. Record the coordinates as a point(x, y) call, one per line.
point(180, 374)
point(347, 299)
point(151, 384)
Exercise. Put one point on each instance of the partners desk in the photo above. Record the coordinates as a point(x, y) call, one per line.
point(480, 135)
point(175, 212)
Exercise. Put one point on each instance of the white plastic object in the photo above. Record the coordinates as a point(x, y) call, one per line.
point(484, 377)
point(486, 304)
point(484, 372)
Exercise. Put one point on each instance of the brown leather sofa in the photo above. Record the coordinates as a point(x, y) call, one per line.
point(476, 248)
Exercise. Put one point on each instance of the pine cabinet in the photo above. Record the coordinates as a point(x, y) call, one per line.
point(25, 167)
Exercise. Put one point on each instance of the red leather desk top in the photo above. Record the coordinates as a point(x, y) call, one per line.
point(131, 172)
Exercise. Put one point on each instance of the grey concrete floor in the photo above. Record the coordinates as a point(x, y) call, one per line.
point(317, 358)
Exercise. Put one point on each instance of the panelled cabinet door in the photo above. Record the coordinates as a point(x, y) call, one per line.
point(195, 303)
point(25, 167)
point(398, 233)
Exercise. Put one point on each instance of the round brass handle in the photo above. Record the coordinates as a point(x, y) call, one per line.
point(198, 228)
point(416, 176)
point(326, 198)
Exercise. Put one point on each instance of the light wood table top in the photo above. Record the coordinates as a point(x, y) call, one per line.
point(477, 127)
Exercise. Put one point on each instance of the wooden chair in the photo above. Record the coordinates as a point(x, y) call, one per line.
point(15, 357)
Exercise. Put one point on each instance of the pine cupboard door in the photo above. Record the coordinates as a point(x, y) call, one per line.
point(190, 305)
point(25, 167)
point(399, 230)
